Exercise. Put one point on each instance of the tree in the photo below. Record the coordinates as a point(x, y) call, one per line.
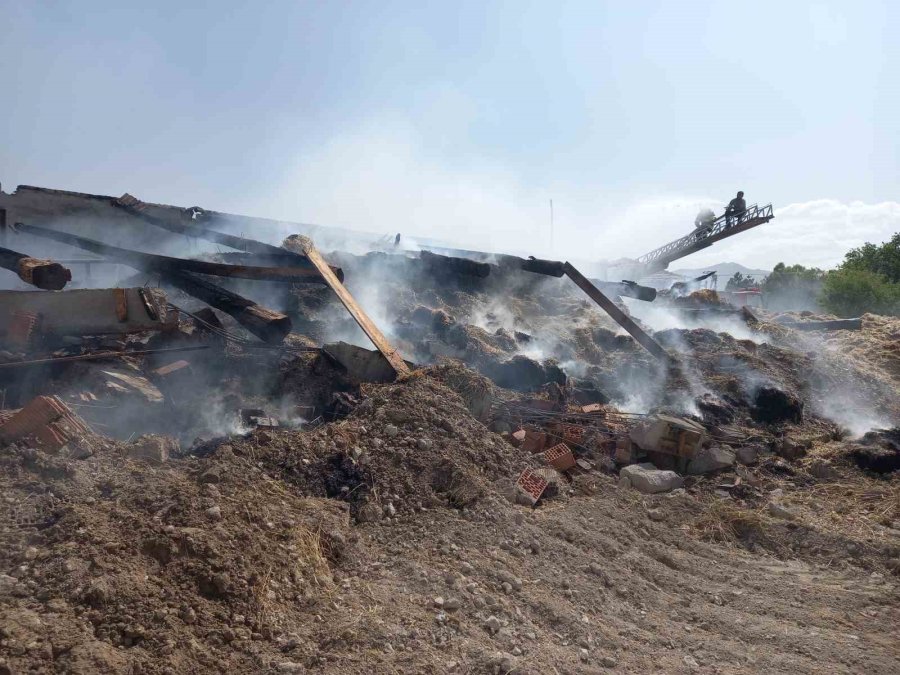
point(848, 291)
point(883, 259)
point(793, 287)
point(739, 282)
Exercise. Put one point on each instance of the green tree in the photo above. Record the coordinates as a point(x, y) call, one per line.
point(792, 287)
point(739, 281)
point(849, 291)
point(883, 259)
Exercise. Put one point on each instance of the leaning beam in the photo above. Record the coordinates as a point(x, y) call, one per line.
point(369, 328)
point(617, 314)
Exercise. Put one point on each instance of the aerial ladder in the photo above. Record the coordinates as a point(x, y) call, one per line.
point(721, 228)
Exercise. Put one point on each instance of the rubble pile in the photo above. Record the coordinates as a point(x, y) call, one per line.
point(519, 477)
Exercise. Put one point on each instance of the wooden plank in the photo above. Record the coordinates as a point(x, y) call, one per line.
point(369, 328)
point(617, 314)
point(121, 304)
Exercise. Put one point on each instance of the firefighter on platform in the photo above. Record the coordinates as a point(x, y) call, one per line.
point(704, 219)
point(735, 210)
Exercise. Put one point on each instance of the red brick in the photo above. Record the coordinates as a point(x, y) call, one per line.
point(560, 457)
point(532, 484)
point(534, 441)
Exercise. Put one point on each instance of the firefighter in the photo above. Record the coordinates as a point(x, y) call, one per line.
point(704, 219)
point(736, 208)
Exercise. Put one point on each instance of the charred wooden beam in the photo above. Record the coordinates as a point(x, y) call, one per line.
point(369, 328)
point(628, 289)
point(162, 263)
point(835, 324)
point(266, 324)
point(135, 207)
point(617, 314)
point(551, 268)
point(44, 274)
point(464, 266)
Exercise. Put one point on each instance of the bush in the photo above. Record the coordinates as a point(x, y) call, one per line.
point(850, 292)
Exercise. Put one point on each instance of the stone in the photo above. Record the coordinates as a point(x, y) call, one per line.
point(214, 512)
point(647, 479)
point(822, 470)
point(503, 662)
point(790, 450)
point(492, 624)
point(390, 510)
point(710, 459)
point(152, 448)
point(423, 443)
point(452, 604)
point(608, 662)
point(656, 515)
point(779, 511)
point(391, 431)
point(369, 513)
point(290, 667)
point(212, 475)
point(691, 662)
point(748, 454)
point(438, 601)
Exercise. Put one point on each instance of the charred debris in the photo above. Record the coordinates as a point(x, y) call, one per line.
point(136, 322)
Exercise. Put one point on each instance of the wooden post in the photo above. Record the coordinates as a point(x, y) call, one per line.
point(375, 335)
point(44, 274)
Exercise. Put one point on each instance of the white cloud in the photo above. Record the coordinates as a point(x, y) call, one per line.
point(384, 178)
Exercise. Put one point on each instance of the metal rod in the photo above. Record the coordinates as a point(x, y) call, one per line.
point(101, 355)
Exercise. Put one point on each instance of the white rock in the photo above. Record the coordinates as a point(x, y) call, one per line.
point(648, 479)
point(710, 459)
point(749, 454)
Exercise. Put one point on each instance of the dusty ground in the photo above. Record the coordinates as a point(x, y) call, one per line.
point(384, 543)
point(389, 542)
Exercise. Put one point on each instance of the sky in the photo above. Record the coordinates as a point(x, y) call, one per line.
point(461, 121)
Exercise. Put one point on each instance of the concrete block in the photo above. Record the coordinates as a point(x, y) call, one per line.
point(648, 479)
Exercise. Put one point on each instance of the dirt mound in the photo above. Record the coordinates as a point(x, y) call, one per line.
point(137, 567)
point(407, 446)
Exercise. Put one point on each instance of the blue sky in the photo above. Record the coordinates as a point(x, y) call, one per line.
point(460, 120)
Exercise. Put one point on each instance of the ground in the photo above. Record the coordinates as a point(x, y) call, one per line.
point(385, 543)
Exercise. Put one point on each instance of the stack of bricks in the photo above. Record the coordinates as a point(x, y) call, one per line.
point(46, 419)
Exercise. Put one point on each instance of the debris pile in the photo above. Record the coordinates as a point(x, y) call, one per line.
point(221, 473)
